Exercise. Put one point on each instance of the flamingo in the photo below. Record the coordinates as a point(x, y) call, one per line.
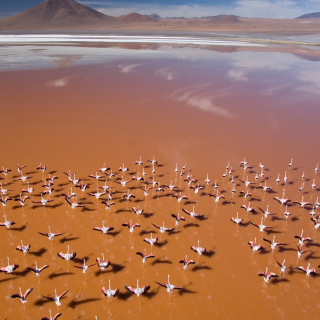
point(145, 256)
point(138, 291)
point(69, 174)
point(247, 182)
point(278, 178)
point(54, 318)
point(246, 194)
point(286, 213)
point(4, 201)
point(260, 226)
point(7, 223)
point(22, 177)
point(198, 249)
point(23, 297)
point(9, 268)
point(168, 285)
point(274, 244)
point(316, 168)
point(137, 211)
point(74, 180)
point(302, 186)
point(146, 190)
point(51, 179)
point(248, 208)
point(266, 212)
point(190, 180)
point(67, 256)
point(3, 191)
point(302, 239)
point(110, 174)
point(266, 276)
point(302, 203)
point(282, 266)
point(316, 222)
point(84, 267)
point(153, 161)
point(50, 235)
point(139, 162)
point(28, 189)
point(97, 194)
point(73, 204)
point(285, 178)
point(123, 168)
point(159, 188)
point(312, 212)
point(254, 246)
point(57, 298)
point(22, 200)
point(43, 201)
point(122, 182)
point(207, 179)
point(282, 200)
point(108, 204)
point(110, 293)
point(313, 185)
point(186, 262)
point(82, 186)
point(128, 195)
point(103, 229)
point(197, 188)
point(48, 190)
point(103, 264)
point(37, 270)
point(217, 197)
point(104, 168)
point(176, 216)
point(291, 162)
point(265, 187)
point(153, 182)
point(23, 248)
point(237, 220)
point(143, 172)
point(243, 163)
point(307, 270)
point(163, 228)
point(151, 240)
point(19, 168)
point(300, 252)
point(131, 226)
point(96, 176)
point(138, 178)
point(193, 214)
point(42, 168)
point(180, 197)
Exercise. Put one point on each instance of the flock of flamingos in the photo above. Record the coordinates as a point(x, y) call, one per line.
point(105, 190)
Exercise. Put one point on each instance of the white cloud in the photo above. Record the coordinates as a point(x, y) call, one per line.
point(312, 79)
point(278, 9)
point(236, 75)
point(201, 97)
point(166, 74)
point(129, 67)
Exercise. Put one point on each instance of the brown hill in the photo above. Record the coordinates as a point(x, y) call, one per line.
point(134, 18)
point(57, 14)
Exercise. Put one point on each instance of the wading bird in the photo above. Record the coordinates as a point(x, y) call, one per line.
point(163, 229)
point(193, 214)
point(254, 246)
point(176, 216)
point(103, 229)
point(103, 264)
point(282, 266)
point(261, 226)
point(198, 249)
point(43, 201)
point(50, 235)
point(302, 239)
point(266, 212)
point(67, 256)
point(237, 220)
point(22, 297)
point(186, 262)
point(110, 293)
point(274, 244)
point(9, 268)
point(130, 225)
point(54, 318)
point(266, 276)
point(22, 200)
point(180, 197)
point(57, 298)
point(138, 291)
point(7, 223)
point(144, 255)
point(37, 270)
point(168, 285)
point(307, 270)
point(23, 248)
point(151, 240)
point(137, 211)
point(4, 200)
point(84, 267)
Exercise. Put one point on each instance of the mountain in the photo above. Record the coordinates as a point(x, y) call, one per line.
point(134, 18)
point(57, 13)
point(154, 16)
point(310, 15)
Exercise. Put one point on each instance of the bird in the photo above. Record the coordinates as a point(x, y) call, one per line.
point(4, 200)
point(207, 179)
point(123, 168)
point(7, 223)
point(73, 204)
point(286, 213)
point(307, 270)
point(103, 264)
point(69, 174)
point(54, 318)
point(274, 244)
point(243, 163)
point(215, 186)
point(265, 187)
point(316, 222)
point(139, 162)
point(312, 212)
point(103, 229)
point(97, 194)
point(254, 246)
point(67, 256)
point(247, 182)
point(74, 180)
point(257, 176)
point(246, 194)
point(137, 211)
point(300, 252)
point(96, 176)
point(41, 167)
point(278, 178)
point(176, 216)
point(193, 214)
point(282, 266)
point(27, 189)
point(57, 298)
point(23, 248)
point(3, 191)
point(159, 188)
point(37, 270)
point(138, 178)
point(170, 186)
point(48, 190)
point(302, 203)
point(217, 197)
point(248, 208)
point(43, 201)
point(22, 200)
point(302, 186)
point(302, 239)
point(51, 179)
point(9, 268)
point(153, 161)
point(285, 178)
point(266, 276)
point(261, 226)
point(151, 240)
point(163, 228)
point(122, 182)
point(190, 180)
point(110, 174)
point(104, 168)
point(282, 200)
point(138, 291)
point(237, 220)
point(110, 293)
point(168, 285)
point(197, 188)
point(22, 178)
point(19, 168)
point(144, 255)
point(146, 190)
point(128, 195)
point(291, 162)
point(108, 204)
point(23, 297)
point(180, 197)
point(266, 212)
point(186, 262)
point(82, 186)
point(313, 185)
point(84, 267)
point(50, 235)
point(198, 249)
point(130, 225)
point(153, 182)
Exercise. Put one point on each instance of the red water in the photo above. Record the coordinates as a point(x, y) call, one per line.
point(99, 115)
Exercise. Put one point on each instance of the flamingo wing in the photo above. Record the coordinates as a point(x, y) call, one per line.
point(49, 298)
point(28, 292)
point(131, 289)
point(63, 293)
point(161, 284)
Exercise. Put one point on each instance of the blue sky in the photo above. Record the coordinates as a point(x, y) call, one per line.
point(277, 9)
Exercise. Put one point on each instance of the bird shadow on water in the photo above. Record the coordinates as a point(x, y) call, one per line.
point(8, 279)
point(151, 294)
point(115, 268)
point(159, 261)
point(277, 280)
point(55, 274)
point(191, 224)
point(184, 290)
point(38, 253)
point(74, 303)
point(19, 229)
point(41, 302)
point(66, 239)
point(200, 267)
point(22, 273)
point(209, 253)
point(124, 295)
point(161, 244)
